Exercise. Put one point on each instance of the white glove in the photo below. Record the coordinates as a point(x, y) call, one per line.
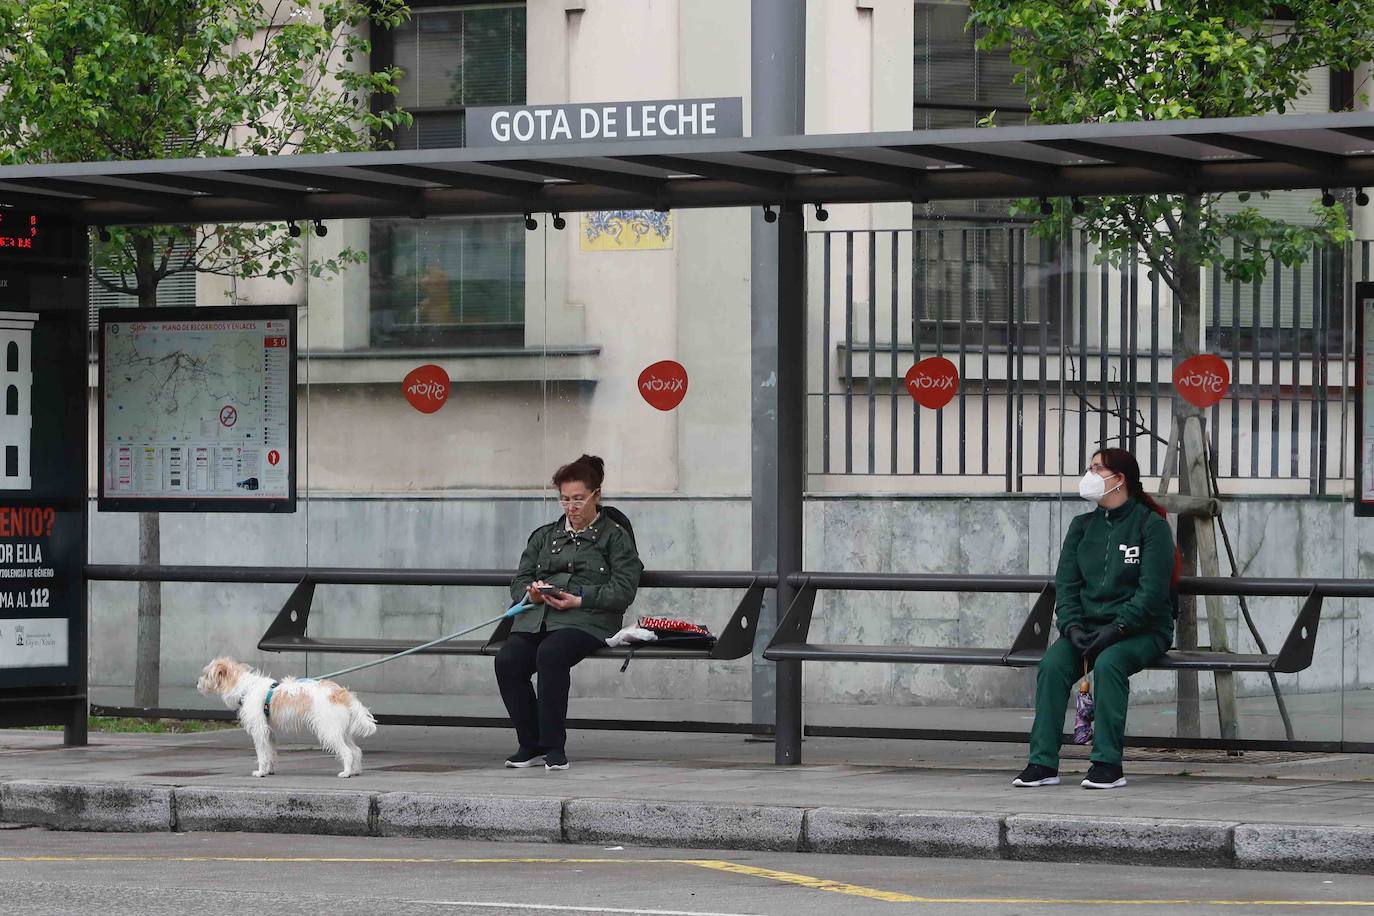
point(631, 635)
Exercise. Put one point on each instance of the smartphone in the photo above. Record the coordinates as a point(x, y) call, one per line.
point(550, 590)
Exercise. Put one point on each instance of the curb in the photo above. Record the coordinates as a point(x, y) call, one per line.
point(272, 811)
point(691, 825)
point(87, 806)
point(854, 831)
point(494, 817)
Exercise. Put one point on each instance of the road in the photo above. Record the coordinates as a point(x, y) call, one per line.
point(208, 874)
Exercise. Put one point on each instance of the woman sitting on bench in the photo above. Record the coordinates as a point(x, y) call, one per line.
point(1115, 615)
point(580, 573)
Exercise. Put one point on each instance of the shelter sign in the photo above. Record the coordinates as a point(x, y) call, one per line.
point(1364, 403)
point(582, 122)
point(198, 409)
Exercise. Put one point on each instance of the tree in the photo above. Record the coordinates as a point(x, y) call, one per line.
point(1084, 61)
point(91, 80)
point(1087, 61)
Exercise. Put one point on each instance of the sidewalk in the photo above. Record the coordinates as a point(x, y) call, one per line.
point(1200, 808)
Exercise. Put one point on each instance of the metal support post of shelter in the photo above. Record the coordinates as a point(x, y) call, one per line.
point(791, 460)
point(777, 92)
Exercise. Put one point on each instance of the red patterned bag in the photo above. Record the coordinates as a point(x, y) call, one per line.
point(668, 627)
point(679, 634)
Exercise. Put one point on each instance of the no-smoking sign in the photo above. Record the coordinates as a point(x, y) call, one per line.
point(228, 416)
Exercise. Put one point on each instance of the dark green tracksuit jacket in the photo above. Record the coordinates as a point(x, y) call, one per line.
point(600, 561)
point(1115, 569)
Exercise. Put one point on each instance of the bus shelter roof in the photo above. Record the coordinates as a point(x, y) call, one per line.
point(1088, 160)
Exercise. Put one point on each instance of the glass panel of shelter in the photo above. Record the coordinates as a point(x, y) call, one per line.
point(1058, 355)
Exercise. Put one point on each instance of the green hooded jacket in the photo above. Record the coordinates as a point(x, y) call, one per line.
point(600, 561)
point(1116, 567)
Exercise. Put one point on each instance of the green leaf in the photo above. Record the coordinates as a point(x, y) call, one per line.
point(95, 80)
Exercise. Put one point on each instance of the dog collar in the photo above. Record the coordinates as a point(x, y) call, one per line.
point(267, 700)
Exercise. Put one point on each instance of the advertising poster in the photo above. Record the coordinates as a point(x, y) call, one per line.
point(42, 477)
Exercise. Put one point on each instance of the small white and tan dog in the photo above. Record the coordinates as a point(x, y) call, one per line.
point(265, 706)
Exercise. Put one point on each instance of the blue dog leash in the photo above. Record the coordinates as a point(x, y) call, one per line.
point(518, 608)
point(514, 610)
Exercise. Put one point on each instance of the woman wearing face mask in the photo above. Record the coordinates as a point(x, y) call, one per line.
point(1114, 609)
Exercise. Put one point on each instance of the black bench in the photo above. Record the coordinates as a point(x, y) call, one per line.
point(790, 640)
point(287, 633)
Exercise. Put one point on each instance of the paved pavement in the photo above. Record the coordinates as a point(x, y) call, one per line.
point(45, 873)
point(1264, 810)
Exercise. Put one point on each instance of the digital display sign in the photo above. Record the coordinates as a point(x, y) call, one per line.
point(19, 230)
point(31, 235)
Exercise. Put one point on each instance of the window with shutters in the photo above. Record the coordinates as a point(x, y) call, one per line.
point(1291, 304)
point(177, 290)
point(974, 263)
point(956, 84)
point(456, 281)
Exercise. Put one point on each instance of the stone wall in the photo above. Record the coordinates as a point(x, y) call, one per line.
point(987, 534)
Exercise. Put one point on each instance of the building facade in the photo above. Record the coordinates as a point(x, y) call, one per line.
point(544, 333)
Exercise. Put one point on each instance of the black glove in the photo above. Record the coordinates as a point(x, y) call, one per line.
point(1109, 635)
point(1078, 637)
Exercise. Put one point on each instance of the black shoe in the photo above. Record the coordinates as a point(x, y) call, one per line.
point(555, 760)
point(1036, 775)
point(525, 757)
point(1104, 776)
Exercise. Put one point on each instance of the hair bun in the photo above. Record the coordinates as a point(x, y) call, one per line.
point(589, 469)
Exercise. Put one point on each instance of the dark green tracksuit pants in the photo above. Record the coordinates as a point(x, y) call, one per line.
point(1061, 669)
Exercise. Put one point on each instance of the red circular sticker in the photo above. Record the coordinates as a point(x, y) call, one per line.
point(1202, 380)
point(933, 382)
point(664, 384)
point(274, 457)
point(426, 388)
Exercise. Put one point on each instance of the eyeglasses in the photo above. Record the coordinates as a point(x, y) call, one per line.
point(1099, 468)
point(576, 502)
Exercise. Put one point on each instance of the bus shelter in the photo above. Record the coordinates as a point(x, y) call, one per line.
point(787, 179)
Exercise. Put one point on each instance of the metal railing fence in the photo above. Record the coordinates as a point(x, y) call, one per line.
point(1059, 355)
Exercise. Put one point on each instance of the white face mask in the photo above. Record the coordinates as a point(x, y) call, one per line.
point(1093, 488)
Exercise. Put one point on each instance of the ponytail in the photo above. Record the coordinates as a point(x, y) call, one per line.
point(1150, 503)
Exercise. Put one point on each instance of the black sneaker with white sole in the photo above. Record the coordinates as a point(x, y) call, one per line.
point(1104, 776)
point(555, 760)
point(525, 757)
point(1035, 775)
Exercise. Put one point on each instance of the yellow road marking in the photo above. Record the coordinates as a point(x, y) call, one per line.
point(787, 877)
point(820, 884)
point(364, 860)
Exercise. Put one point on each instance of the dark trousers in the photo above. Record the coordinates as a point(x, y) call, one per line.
point(541, 721)
point(1061, 668)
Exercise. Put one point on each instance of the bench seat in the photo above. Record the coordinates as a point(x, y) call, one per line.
point(789, 643)
point(1179, 660)
point(932, 655)
point(287, 633)
point(350, 646)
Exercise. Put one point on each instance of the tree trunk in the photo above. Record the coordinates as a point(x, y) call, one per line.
point(1189, 428)
point(148, 662)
